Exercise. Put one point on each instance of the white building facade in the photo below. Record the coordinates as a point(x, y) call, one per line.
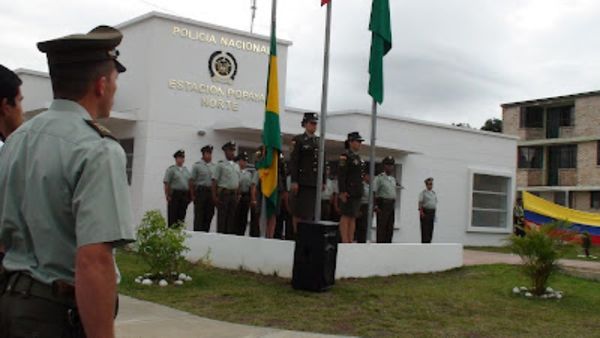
point(189, 84)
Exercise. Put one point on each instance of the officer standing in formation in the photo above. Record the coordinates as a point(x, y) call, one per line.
point(65, 205)
point(328, 196)
point(225, 189)
point(201, 190)
point(362, 222)
point(246, 176)
point(177, 189)
point(427, 206)
point(384, 188)
point(303, 170)
point(350, 186)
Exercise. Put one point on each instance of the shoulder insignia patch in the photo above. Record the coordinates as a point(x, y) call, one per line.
point(100, 129)
point(343, 159)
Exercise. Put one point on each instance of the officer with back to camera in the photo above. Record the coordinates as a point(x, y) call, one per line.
point(64, 202)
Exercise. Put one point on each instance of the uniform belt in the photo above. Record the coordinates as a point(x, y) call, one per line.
point(245, 193)
point(388, 200)
point(58, 292)
point(227, 191)
point(203, 187)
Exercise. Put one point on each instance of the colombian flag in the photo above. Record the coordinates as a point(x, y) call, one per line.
point(539, 211)
point(271, 137)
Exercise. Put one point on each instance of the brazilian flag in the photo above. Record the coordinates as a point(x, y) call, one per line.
point(271, 137)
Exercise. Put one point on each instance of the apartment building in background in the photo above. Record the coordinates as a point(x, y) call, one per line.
point(558, 148)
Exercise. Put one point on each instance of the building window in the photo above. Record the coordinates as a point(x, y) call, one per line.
point(566, 115)
point(127, 145)
point(568, 156)
point(595, 199)
point(490, 201)
point(560, 198)
point(532, 117)
point(531, 157)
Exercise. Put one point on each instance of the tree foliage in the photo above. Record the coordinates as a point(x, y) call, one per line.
point(493, 124)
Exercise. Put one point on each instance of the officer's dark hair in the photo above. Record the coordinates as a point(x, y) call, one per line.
point(9, 85)
point(72, 81)
point(346, 144)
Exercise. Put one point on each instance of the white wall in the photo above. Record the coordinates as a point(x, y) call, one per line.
point(448, 154)
point(174, 117)
point(268, 256)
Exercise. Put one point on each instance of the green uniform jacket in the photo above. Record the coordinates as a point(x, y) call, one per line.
point(62, 186)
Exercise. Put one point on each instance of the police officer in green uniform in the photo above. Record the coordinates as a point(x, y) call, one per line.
point(243, 206)
point(362, 221)
point(177, 192)
point(226, 184)
point(350, 186)
point(201, 190)
point(384, 188)
point(328, 196)
point(304, 164)
point(64, 202)
point(11, 110)
point(427, 206)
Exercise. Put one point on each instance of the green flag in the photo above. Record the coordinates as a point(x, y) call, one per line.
point(381, 43)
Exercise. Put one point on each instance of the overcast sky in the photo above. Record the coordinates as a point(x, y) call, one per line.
point(451, 61)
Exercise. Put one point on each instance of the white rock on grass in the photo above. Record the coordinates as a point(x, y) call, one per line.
point(528, 294)
point(516, 290)
point(178, 282)
point(188, 278)
point(549, 290)
point(163, 282)
point(182, 276)
point(559, 296)
point(523, 288)
point(147, 282)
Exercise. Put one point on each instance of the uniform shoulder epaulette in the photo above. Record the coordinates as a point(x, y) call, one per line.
point(100, 129)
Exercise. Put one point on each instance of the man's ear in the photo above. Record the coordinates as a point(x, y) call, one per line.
point(100, 85)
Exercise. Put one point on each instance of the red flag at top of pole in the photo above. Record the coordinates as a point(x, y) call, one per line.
point(324, 2)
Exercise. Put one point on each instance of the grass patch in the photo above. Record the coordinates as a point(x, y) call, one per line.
point(472, 301)
point(571, 252)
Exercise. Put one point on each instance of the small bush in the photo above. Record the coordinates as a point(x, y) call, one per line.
point(161, 247)
point(540, 249)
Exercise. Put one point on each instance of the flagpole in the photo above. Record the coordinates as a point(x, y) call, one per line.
point(321, 167)
point(372, 168)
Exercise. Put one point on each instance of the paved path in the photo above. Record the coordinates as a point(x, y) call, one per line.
point(141, 319)
point(475, 257)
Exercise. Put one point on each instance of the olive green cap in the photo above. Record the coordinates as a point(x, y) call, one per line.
point(97, 45)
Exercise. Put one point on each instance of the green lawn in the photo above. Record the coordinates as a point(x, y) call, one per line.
point(572, 251)
point(471, 301)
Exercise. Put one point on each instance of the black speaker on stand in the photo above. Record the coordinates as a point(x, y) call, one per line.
point(315, 256)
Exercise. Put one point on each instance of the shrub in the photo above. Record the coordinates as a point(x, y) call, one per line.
point(161, 247)
point(540, 249)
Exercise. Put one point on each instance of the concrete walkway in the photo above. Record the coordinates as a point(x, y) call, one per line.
point(140, 319)
point(475, 257)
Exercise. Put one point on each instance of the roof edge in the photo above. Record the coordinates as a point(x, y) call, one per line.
point(424, 123)
point(26, 71)
point(551, 99)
